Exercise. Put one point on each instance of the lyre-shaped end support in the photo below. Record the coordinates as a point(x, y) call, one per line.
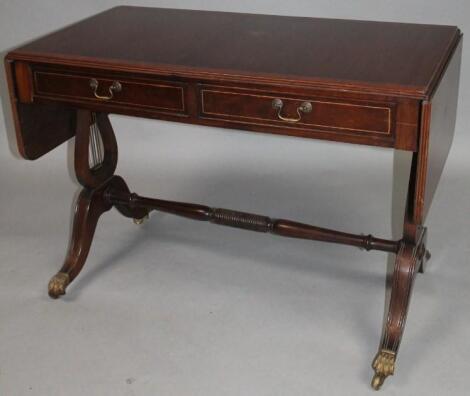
point(383, 365)
point(95, 149)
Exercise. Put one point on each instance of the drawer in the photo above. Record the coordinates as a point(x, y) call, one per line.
point(311, 113)
point(113, 91)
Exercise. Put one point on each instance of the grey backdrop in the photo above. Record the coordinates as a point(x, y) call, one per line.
point(183, 308)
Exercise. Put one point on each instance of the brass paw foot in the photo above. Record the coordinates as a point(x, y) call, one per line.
point(384, 365)
point(142, 220)
point(58, 284)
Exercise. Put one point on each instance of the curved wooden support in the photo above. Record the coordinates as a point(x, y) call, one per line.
point(89, 207)
point(409, 259)
point(90, 203)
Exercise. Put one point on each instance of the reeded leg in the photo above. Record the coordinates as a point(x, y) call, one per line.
point(89, 207)
point(409, 259)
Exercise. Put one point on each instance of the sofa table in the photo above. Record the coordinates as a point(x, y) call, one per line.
point(382, 84)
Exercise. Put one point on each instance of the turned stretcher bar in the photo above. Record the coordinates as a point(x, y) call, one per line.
point(249, 221)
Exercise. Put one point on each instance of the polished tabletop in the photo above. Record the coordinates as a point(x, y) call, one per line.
point(399, 57)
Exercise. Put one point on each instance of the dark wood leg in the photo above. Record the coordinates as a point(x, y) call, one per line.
point(437, 127)
point(91, 204)
point(89, 207)
point(408, 260)
point(93, 134)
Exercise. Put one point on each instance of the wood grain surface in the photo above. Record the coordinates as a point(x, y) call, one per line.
point(393, 57)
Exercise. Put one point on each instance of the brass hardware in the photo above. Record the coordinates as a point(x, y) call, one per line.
point(114, 87)
point(384, 365)
point(278, 104)
point(57, 284)
point(141, 221)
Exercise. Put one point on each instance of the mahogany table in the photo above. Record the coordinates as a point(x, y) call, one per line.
point(382, 84)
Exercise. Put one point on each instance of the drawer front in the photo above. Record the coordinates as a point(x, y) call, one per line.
point(286, 110)
point(116, 91)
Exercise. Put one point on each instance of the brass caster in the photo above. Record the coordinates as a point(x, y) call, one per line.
point(58, 284)
point(377, 382)
point(384, 365)
point(142, 220)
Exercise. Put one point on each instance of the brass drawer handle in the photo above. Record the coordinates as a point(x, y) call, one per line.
point(305, 107)
point(114, 87)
